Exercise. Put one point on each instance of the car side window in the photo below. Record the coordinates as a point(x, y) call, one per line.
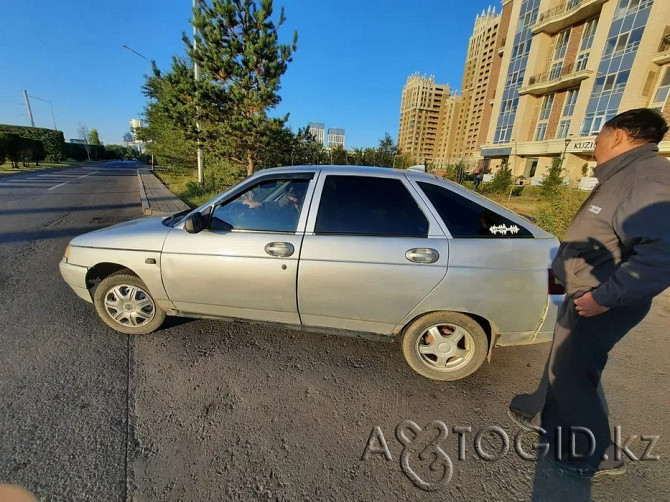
point(466, 219)
point(270, 206)
point(361, 205)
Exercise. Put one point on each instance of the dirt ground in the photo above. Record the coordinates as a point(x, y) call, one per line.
point(232, 411)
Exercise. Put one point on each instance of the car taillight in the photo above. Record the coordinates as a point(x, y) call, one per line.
point(554, 287)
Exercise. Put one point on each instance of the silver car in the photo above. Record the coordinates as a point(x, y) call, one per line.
point(350, 250)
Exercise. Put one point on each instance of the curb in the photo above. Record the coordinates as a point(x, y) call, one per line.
point(143, 195)
point(147, 201)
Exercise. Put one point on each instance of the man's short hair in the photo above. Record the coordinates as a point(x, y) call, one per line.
point(641, 125)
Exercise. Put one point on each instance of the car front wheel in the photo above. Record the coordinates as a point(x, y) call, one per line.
point(445, 346)
point(124, 303)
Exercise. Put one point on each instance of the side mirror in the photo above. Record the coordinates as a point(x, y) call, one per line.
point(194, 223)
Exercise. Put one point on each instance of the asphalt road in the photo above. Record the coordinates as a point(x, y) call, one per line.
point(206, 410)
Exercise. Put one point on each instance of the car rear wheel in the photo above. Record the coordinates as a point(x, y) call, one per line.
point(445, 346)
point(124, 303)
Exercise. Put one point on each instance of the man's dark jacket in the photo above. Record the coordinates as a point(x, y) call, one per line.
point(618, 245)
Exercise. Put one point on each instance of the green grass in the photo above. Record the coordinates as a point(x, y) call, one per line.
point(7, 167)
point(184, 184)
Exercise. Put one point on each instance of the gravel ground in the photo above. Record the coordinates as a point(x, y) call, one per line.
point(237, 412)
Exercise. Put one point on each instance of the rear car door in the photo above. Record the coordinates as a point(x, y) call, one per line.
point(371, 253)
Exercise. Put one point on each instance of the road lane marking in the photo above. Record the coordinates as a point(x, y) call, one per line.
point(80, 177)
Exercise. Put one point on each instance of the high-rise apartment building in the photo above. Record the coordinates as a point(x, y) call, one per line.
point(568, 66)
point(425, 112)
point(478, 74)
point(318, 130)
point(335, 137)
point(446, 144)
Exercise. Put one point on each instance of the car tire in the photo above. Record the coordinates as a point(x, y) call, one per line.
point(445, 345)
point(125, 304)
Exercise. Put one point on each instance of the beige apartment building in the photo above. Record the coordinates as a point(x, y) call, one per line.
point(566, 67)
point(443, 127)
point(475, 109)
point(427, 111)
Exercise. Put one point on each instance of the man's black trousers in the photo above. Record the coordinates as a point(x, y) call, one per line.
point(569, 394)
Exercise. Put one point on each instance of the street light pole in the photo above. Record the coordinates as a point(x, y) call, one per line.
point(567, 142)
point(52, 109)
point(149, 74)
point(30, 112)
point(196, 74)
point(140, 55)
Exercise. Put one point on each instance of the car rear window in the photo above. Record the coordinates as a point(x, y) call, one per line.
point(363, 205)
point(466, 219)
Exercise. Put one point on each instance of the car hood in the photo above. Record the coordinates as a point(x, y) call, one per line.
point(146, 234)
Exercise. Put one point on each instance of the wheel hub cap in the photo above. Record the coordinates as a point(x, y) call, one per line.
point(129, 305)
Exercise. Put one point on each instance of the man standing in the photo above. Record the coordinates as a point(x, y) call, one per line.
point(614, 259)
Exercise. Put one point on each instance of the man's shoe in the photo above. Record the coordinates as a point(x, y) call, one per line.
point(580, 470)
point(524, 422)
point(610, 467)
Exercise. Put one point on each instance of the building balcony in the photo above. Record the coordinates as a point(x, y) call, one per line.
point(565, 15)
point(553, 81)
point(663, 55)
point(501, 49)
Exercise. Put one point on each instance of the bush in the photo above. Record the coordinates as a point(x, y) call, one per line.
point(555, 215)
point(53, 141)
point(30, 150)
point(501, 182)
point(554, 180)
point(10, 145)
point(76, 151)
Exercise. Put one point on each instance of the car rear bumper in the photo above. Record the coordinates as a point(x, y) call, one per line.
point(545, 333)
point(75, 277)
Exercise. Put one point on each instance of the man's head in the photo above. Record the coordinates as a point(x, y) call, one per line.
point(629, 130)
point(297, 191)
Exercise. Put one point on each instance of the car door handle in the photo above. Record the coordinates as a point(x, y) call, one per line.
point(282, 249)
point(422, 255)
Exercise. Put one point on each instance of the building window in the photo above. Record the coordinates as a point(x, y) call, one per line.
point(563, 129)
point(543, 117)
point(556, 69)
point(582, 61)
point(623, 43)
point(540, 132)
point(545, 108)
point(561, 44)
point(625, 7)
point(663, 88)
point(570, 101)
point(588, 34)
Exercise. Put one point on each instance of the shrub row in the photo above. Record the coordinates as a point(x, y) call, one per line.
point(53, 141)
point(17, 149)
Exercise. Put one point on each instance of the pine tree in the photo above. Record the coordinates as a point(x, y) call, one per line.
point(241, 63)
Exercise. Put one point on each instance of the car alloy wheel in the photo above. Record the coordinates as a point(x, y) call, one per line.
point(445, 347)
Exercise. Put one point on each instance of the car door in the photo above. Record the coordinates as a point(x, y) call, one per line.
point(370, 254)
point(244, 264)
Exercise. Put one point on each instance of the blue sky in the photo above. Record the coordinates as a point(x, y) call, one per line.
point(353, 59)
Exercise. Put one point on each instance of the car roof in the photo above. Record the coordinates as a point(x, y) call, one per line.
point(350, 169)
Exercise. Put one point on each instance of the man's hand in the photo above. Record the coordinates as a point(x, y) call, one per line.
point(251, 203)
point(586, 306)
